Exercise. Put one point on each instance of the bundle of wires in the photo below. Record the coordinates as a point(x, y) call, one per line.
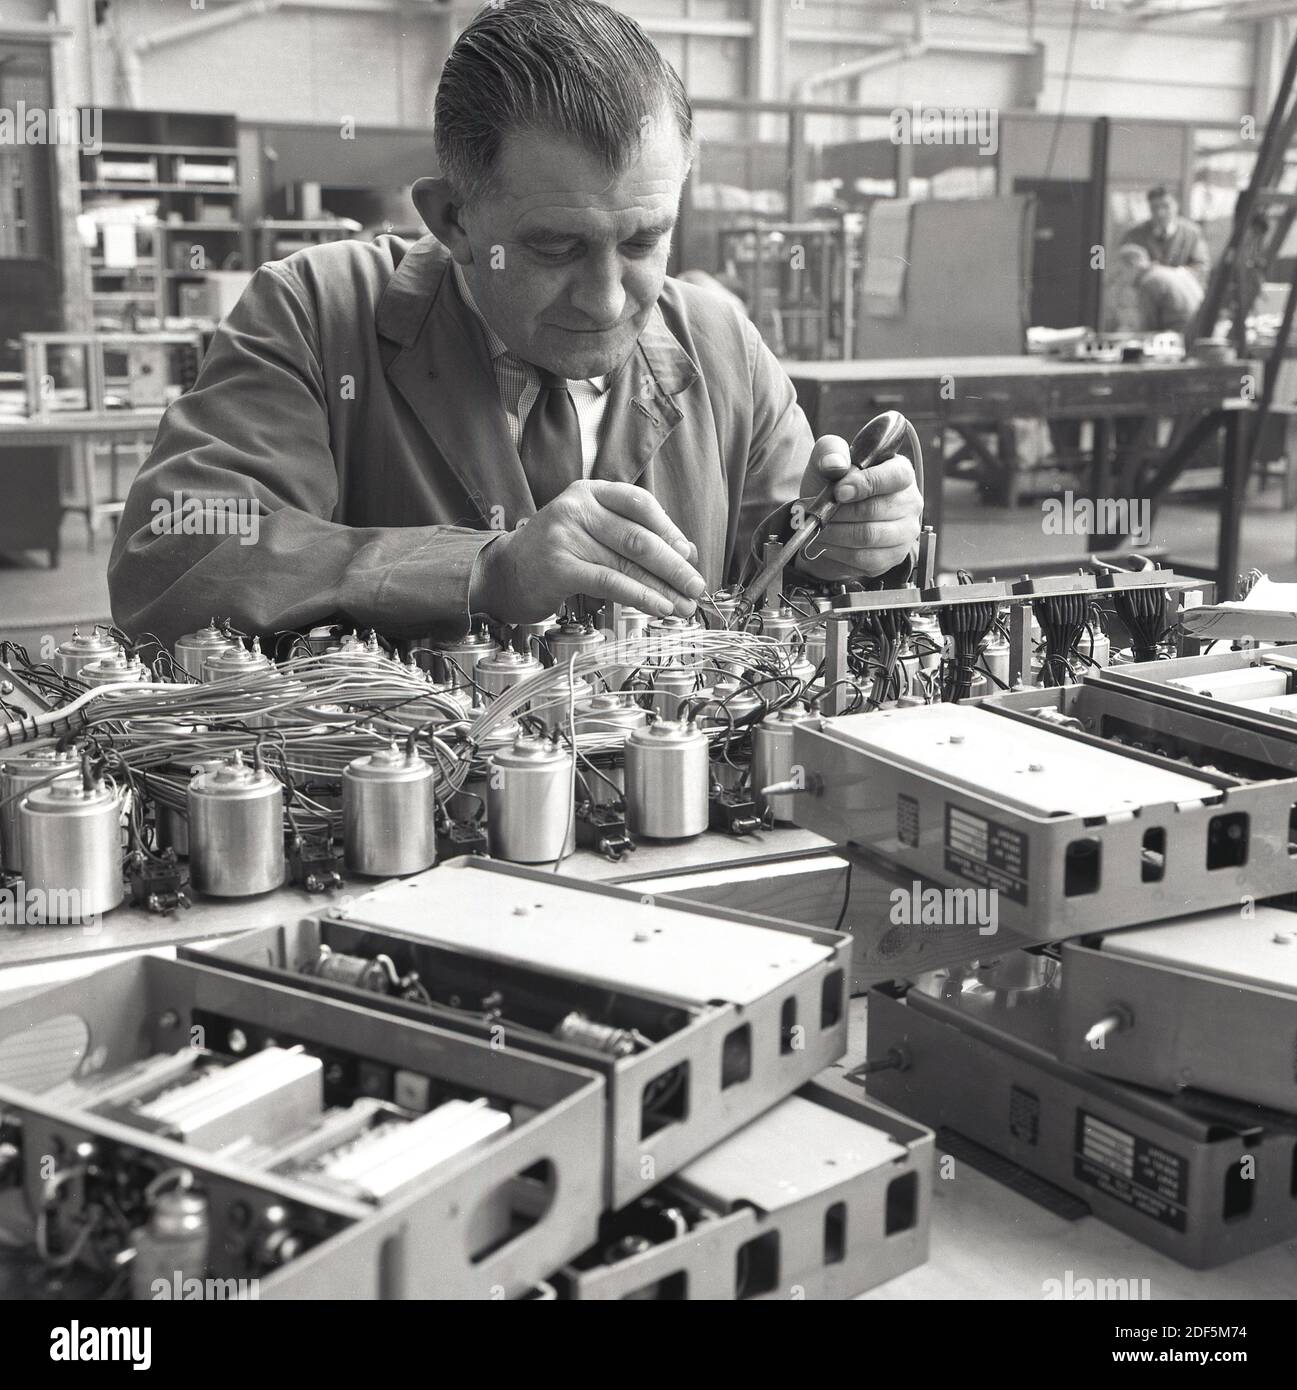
point(1062, 618)
point(966, 625)
point(1144, 611)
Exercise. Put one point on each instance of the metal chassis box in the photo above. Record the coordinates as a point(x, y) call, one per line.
point(1171, 1173)
point(881, 1222)
point(1177, 1024)
point(418, 1246)
point(908, 810)
point(816, 1001)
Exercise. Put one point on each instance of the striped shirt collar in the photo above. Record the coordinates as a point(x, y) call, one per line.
point(496, 345)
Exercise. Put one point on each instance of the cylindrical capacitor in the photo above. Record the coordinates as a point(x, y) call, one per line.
point(19, 772)
point(377, 975)
point(500, 672)
point(193, 649)
point(726, 704)
point(672, 685)
point(457, 661)
point(772, 759)
point(670, 640)
point(925, 634)
point(236, 662)
point(802, 670)
point(459, 697)
point(995, 659)
point(72, 656)
point(566, 694)
point(627, 621)
point(779, 624)
point(236, 831)
point(527, 637)
point(171, 823)
point(717, 610)
point(172, 1247)
point(1101, 652)
point(571, 639)
point(388, 826)
point(612, 716)
point(816, 645)
point(469, 803)
point(667, 780)
point(530, 817)
point(113, 670)
point(71, 850)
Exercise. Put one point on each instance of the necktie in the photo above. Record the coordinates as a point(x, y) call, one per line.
point(551, 441)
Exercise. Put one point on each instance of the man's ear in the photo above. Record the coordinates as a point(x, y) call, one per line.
point(441, 210)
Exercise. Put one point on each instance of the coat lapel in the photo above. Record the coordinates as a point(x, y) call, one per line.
point(443, 370)
point(641, 411)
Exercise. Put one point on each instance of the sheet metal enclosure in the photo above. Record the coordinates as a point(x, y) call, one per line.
point(876, 1201)
point(1203, 1180)
point(731, 980)
point(1070, 838)
point(1207, 1002)
point(420, 1245)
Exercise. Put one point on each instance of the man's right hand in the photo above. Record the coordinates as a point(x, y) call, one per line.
point(610, 540)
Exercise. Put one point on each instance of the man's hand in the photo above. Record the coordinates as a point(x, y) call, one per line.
point(876, 525)
point(611, 540)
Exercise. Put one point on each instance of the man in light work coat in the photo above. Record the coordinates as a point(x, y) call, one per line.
point(395, 411)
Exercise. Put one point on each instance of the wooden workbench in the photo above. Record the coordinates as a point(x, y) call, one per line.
point(958, 393)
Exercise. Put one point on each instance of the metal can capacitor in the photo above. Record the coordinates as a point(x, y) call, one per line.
point(995, 659)
point(502, 670)
point(71, 850)
point(571, 638)
point(194, 648)
point(627, 621)
point(779, 624)
point(672, 686)
point(530, 815)
point(112, 670)
point(236, 831)
point(612, 716)
point(236, 662)
point(388, 825)
point(772, 759)
point(79, 650)
point(457, 661)
point(172, 1247)
point(667, 780)
point(18, 773)
point(718, 610)
point(1098, 648)
point(171, 823)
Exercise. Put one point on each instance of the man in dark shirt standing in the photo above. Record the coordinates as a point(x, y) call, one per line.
point(1170, 239)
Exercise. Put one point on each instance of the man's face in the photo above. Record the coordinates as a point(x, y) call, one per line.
point(1163, 211)
point(568, 262)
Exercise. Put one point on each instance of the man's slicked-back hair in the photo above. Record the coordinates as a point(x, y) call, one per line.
point(572, 68)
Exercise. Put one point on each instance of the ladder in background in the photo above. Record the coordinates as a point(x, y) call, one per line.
point(1263, 217)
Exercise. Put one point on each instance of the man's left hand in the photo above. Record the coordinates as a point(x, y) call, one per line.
point(877, 524)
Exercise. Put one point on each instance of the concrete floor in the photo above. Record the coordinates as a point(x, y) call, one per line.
point(37, 602)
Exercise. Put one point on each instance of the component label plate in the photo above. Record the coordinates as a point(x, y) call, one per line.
point(986, 852)
point(1129, 1169)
